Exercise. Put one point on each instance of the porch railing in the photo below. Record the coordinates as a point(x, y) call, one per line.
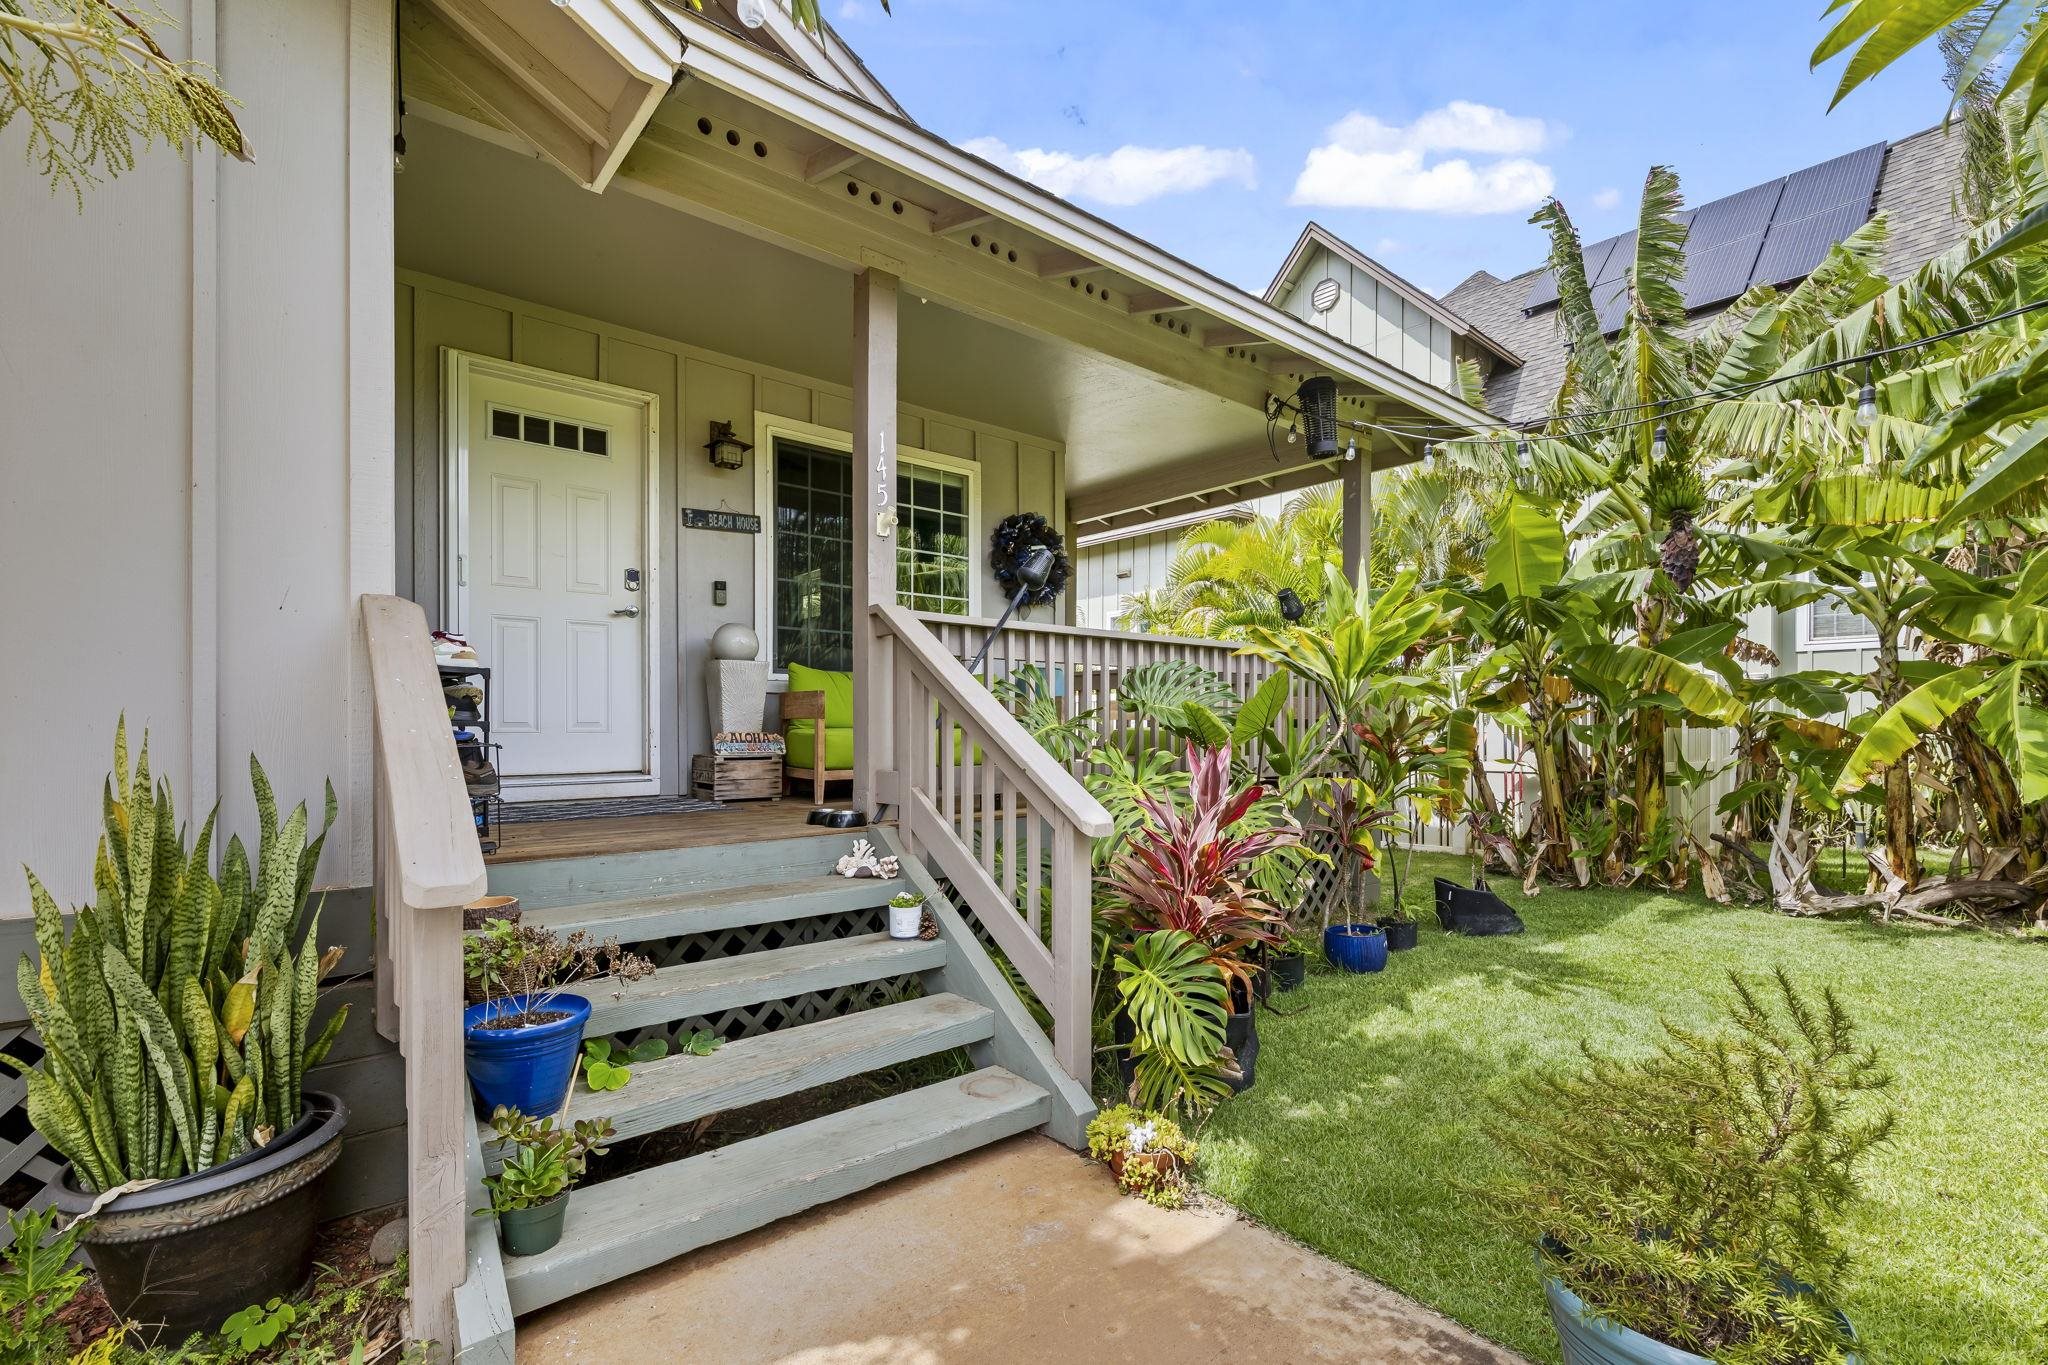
point(427, 868)
point(988, 809)
point(1085, 666)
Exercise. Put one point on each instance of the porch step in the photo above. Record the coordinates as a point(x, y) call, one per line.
point(723, 983)
point(641, 1220)
point(708, 909)
point(684, 1088)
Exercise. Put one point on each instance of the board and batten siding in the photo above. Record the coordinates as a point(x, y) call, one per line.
point(1107, 572)
point(185, 379)
point(694, 387)
point(1374, 317)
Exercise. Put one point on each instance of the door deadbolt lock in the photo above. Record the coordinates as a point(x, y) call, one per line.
point(632, 580)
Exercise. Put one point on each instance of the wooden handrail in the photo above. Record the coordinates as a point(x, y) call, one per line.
point(1053, 788)
point(428, 867)
point(983, 624)
point(437, 859)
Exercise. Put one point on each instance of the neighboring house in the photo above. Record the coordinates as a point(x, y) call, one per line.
point(1772, 232)
point(1769, 233)
point(253, 409)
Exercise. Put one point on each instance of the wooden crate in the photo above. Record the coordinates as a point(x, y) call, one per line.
point(724, 777)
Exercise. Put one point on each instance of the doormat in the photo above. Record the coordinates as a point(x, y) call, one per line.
point(526, 812)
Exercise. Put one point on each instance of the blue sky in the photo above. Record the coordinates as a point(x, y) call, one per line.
point(1407, 117)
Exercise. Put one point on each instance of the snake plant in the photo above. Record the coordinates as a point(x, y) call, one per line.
point(174, 1015)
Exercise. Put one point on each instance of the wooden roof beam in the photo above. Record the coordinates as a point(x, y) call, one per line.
point(1215, 338)
point(1152, 301)
point(1053, 264)
point(828, 161)
point(959, 218)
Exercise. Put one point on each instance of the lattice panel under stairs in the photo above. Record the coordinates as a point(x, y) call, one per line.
point(808, 1008)
point(28, 1167)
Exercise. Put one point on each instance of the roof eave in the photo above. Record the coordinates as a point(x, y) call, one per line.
point(722, 60)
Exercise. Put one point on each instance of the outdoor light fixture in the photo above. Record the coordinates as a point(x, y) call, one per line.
point(727, 450)
point(1034, 569)
point(1317, 400)
point(1351, 450)
point(753, 13)
point(1290, 606)
point(1660, 445)
point(1429, 455)
point(1522, 455)
point(1866, 402)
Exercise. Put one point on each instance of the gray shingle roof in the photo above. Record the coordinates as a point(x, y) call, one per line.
point(1916, 192)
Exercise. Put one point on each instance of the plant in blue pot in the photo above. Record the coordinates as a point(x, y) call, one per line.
point(1687, 1205)
point(1345, 813)
point(523, 1035)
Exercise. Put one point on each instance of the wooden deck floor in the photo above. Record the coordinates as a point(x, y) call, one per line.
point(736, 823)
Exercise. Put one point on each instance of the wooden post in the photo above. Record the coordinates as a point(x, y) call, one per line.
point(1073, 1040)
point(874, 521)
point(1358, 517)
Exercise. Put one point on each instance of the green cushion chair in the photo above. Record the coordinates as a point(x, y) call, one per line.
point(818, 698)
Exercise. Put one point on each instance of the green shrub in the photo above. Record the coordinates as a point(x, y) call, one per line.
point(1148, 1152)
point(1695, 1195)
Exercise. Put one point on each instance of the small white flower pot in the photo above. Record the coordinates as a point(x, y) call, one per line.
point(906, 921)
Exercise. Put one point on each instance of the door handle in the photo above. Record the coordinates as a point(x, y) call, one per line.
point(625, 611)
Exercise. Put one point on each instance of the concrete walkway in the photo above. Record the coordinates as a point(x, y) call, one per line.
point(1021, 1252)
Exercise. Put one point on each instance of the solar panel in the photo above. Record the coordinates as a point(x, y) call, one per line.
point(1820, 206)
point(1793, 249)
point(1722, 249)
point(1610, 302)
point(1543, 292)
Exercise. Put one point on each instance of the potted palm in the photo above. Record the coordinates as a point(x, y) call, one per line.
point(543, 1160)
point(176, 1018)
point(1189, 870)
point(1688, 1205)
point(523, 1035)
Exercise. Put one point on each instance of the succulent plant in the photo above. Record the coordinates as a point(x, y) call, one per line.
point(174, 1014)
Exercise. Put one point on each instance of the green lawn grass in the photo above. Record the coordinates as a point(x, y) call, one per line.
point(1367, 1117)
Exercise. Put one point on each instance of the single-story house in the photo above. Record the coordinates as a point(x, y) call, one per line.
point(584, 329)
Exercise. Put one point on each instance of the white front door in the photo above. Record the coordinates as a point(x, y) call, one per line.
point(552, 573)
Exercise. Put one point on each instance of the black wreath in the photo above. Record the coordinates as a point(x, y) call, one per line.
point(1012, 536)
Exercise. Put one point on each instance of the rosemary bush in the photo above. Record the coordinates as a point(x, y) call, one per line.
point(1695, 1195)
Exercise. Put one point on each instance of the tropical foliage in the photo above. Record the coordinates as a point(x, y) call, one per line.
point(1697, 1194)
point(175, 1014)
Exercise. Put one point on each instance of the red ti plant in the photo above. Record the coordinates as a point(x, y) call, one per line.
point(1187, 869)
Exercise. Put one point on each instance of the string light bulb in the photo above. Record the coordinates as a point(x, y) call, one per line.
point(1522, 456)
point(1660, 443)
point(1429, 455)
point(1866, 402)
point(1351, 449)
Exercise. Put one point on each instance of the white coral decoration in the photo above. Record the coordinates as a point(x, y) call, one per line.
point(862, 862)
point(1141, 1137)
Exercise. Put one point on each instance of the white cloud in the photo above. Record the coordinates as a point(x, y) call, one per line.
point(1607, 198)
point(1128, 175)
point(1370, 164)
point(1389, 246)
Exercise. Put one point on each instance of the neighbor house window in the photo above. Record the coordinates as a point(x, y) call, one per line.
point(813, 550)
point(1830, 623)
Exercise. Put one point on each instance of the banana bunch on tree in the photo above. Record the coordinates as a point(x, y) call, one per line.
point(174, 1015)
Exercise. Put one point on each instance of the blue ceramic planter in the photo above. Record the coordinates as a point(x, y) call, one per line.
point(527, 1069)
point(1356, 947)
point(1591, 1340)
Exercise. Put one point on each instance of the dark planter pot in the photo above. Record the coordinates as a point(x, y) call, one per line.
point(182, 1256)
point(1474, 910)
point(1400, 936)
point(1289, 971)
point(527, 1069)
point(1241, 1033)
point(1356, 947)
point(528, 1232)
point(1589, 1340)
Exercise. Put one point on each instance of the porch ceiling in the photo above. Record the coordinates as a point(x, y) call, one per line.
point(1039, 317)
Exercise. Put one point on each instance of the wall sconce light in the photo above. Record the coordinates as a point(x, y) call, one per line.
point(727, 450)
point(718, 592)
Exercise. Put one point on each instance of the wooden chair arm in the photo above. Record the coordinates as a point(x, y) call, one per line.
point(803, 706)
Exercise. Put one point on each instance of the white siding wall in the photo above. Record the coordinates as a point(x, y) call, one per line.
point(1374, 317)
point(181, 444)
point(1105, 574)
